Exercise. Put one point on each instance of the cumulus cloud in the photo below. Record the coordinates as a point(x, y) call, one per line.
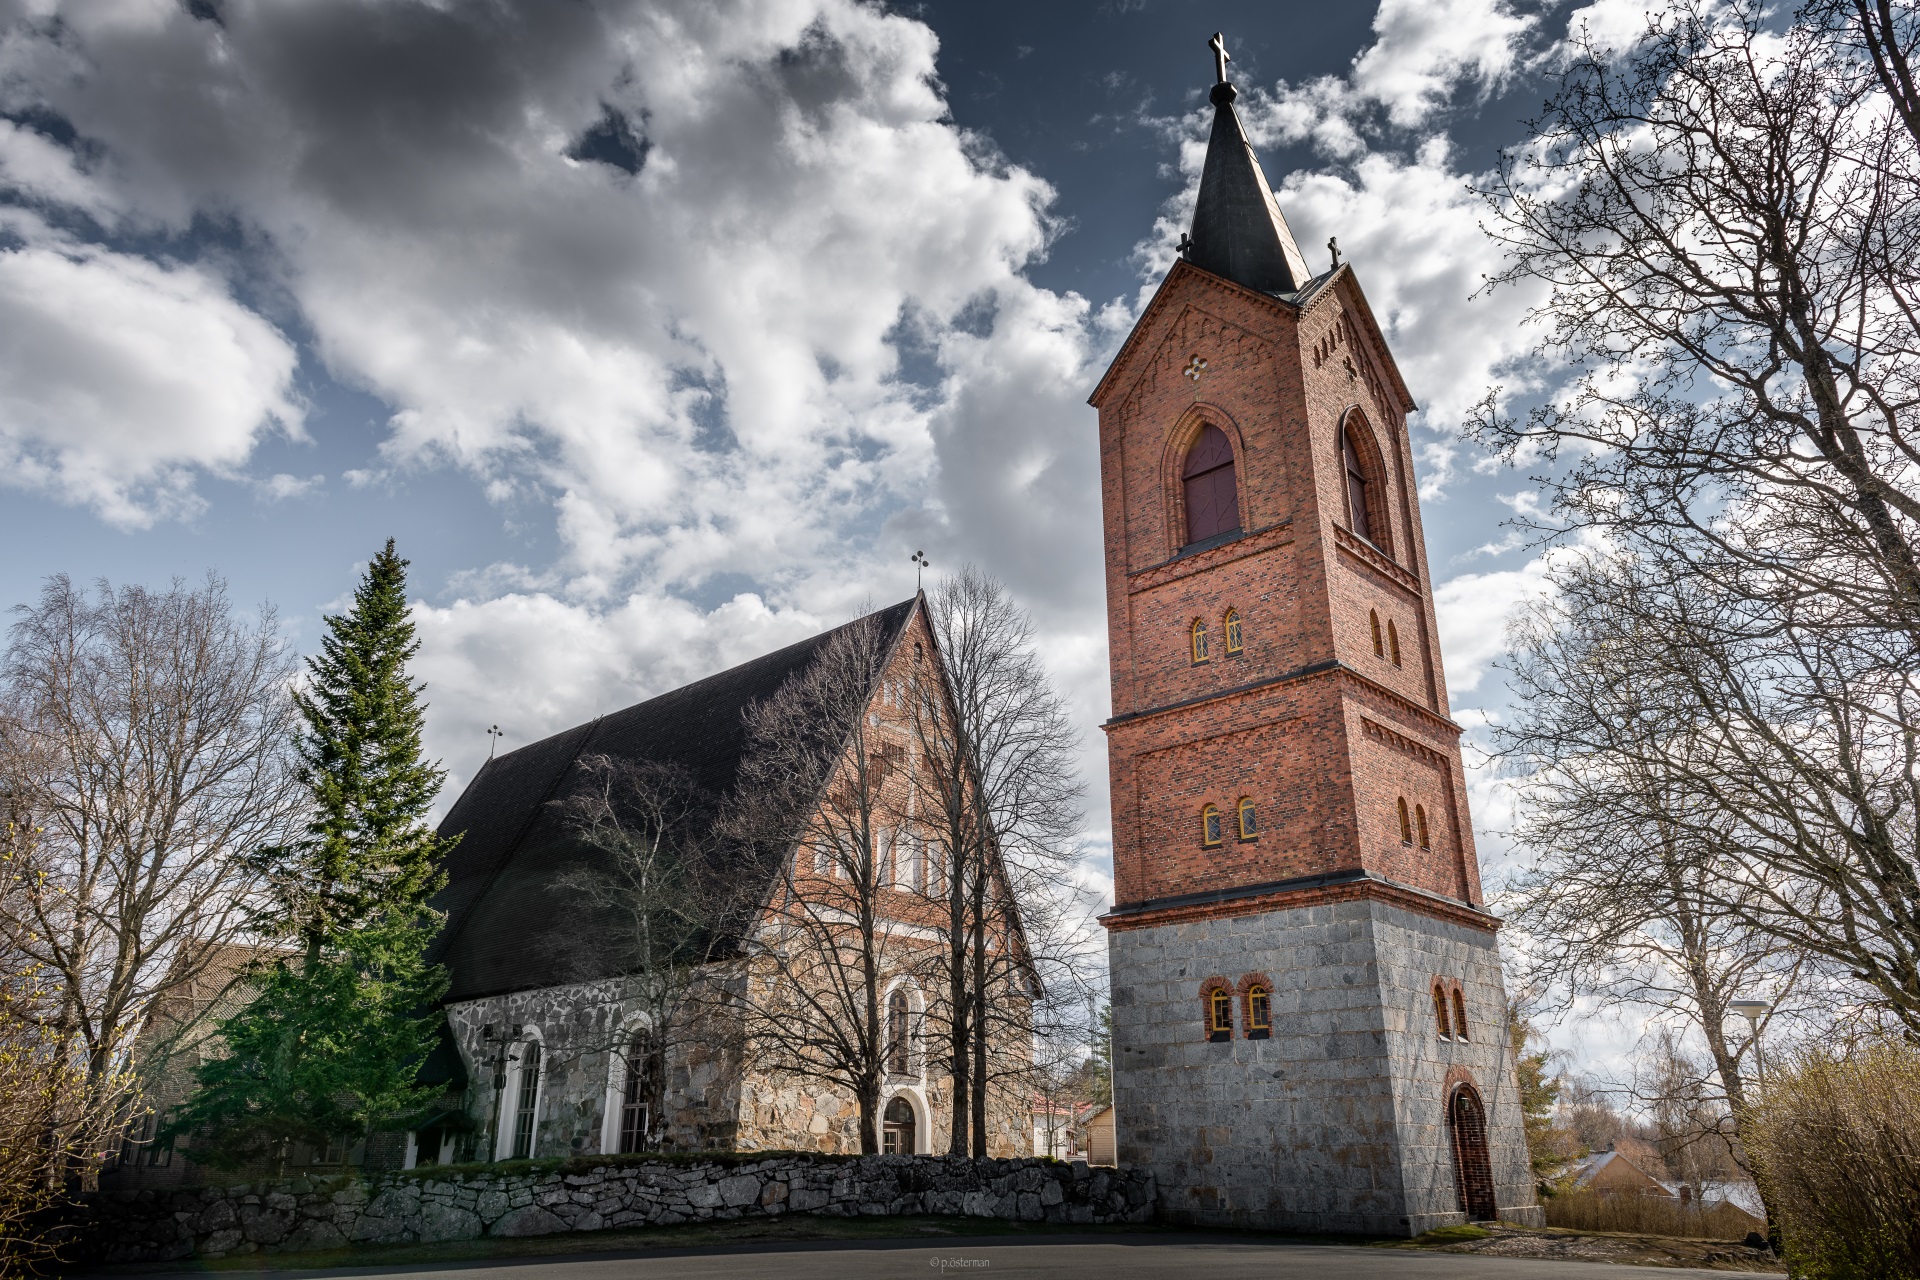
point(121, 377)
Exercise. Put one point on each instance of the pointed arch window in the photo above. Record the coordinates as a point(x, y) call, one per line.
point(1207, 482)
point(1248, 820)
point(1210, 825)
point(1420, 825)
point(1357, 483)
point(1373, 619)
point(1393, 642)
point(1233, 631)
point(1197, 641)
point(1406, 823)
point(1440, 1012)
point(899, 1035)
point(1459, 1015)
point(526, 1100)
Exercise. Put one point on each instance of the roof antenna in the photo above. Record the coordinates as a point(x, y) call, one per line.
point(920, 562)
point(494, 734)
point(1333, 247)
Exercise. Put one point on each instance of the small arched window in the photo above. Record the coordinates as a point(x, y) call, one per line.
point(1373, 618)
point(1420, 825)
point(1249, 820)
point(1393, 642)
point(1213, 501)
point(1406, 823)
point(1219, 1015)
point(1233, 631)
point(1259, 1012)
point(1440, 1011)
point(899, 1037)
point(1210, 825)
point(1357, 484)
point(1459, 1015)
point(1197, 643)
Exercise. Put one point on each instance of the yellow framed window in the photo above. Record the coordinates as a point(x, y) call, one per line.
point(1406, 823)
point(1259, 1012)
point(1249, 820)
point(1233, 631)
point(1210, 825)
point(1220, 1015)
point(1197, 640)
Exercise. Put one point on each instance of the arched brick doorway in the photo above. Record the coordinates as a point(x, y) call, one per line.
point(1472, 1165)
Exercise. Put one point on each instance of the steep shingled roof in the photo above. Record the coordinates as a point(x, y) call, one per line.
point(1239, 232)
point(507, 928)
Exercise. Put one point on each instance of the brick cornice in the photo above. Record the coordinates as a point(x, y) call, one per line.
point(1301, 891)
point(1377, 560)
point(1278, 534)
point(1331, 667)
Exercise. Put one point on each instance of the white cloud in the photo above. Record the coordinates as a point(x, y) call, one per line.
point(1473, 609)
point(120, 377)
point(1427, 49)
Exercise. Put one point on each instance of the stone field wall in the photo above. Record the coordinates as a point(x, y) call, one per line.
point(588, 1195)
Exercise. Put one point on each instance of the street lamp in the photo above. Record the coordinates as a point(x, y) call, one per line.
point(1753, 1011)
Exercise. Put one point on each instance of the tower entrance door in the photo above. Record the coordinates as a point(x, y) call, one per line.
point(1472, 1166)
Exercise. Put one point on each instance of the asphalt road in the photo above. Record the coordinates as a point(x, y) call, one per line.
point(1135, 1259)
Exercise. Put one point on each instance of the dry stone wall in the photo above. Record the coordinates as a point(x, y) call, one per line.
point(592, 1195)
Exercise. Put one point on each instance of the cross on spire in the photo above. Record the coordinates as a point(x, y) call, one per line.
point(1220, 57)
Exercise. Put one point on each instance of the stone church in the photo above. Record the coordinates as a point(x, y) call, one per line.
point(1310, 1028)
point(543, 1019)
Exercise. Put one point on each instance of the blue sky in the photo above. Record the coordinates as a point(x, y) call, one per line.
point(659, 333)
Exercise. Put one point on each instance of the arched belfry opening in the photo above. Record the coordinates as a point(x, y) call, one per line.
point(1207, 481)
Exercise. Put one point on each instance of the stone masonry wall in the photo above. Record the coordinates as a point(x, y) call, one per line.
point(1337, 1122)
point(465, 1204)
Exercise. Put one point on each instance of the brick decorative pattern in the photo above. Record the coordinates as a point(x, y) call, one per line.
point(1337, 1121)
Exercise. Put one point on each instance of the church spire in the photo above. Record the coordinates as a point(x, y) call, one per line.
point(1238, 230)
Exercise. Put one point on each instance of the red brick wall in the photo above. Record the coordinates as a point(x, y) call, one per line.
point(1322, 733)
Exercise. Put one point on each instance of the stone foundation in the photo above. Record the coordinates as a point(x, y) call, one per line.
point(590, 1195)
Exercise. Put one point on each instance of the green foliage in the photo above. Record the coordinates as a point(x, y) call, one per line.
point(332, 1042)
point(1549, 1146)
point(1102, 1061)
point(330, 1046)
point(367, 849)
point(1835, 1139)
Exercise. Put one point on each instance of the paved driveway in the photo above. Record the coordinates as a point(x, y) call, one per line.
point(1145, 1258)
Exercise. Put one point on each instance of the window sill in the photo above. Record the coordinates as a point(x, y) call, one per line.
point(1219, 1037)
point(1260, 1033)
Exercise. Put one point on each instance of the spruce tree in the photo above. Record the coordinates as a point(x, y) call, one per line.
point(331, 1044)
point(368, 850)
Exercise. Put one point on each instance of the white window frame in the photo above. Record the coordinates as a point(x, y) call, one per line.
point(509, 1108)
point(617, 1083)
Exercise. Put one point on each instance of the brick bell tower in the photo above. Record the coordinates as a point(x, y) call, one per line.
point(1309, 1020)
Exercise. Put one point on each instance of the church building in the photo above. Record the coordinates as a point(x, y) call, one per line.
point(547, 1020)
point(1310, 1029)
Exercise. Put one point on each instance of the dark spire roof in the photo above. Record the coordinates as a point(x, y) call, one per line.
point(508, 928)
point(1238, 231)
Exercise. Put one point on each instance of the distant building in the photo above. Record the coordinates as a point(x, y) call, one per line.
point(1613, 1173)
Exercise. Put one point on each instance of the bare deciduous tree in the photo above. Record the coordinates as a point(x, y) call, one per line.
point(1725, 217)
point(999, 800)
point(664, 913)
point(835, 932)
point(147, 733)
